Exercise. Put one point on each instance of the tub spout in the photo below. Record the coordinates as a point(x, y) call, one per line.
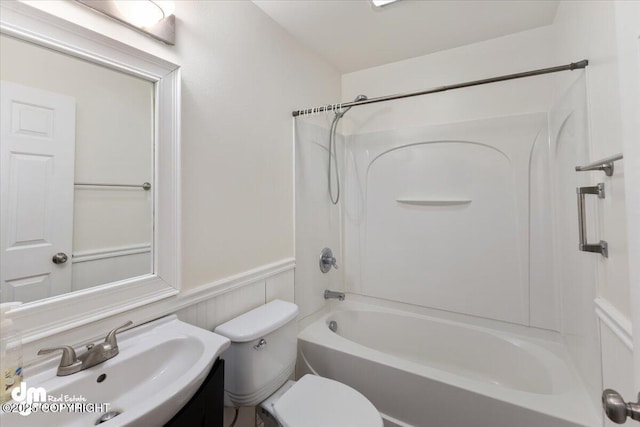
point(333, 295)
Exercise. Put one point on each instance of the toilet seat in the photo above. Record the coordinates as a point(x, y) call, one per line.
point(315, 401)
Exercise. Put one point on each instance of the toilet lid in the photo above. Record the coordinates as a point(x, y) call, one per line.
point(315, 401)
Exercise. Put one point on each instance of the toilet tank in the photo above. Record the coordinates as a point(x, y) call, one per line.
point(262, 354)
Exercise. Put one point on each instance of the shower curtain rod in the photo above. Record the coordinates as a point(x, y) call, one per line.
point(330, 107)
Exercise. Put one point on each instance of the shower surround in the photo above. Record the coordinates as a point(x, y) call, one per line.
point(439, 216)
point(471, 219)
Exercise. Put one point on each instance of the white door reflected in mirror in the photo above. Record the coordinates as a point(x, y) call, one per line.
point(38, 143)
point(77, 149)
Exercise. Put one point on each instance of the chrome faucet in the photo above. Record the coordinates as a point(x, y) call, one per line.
point(333, 295)
point(95, 354)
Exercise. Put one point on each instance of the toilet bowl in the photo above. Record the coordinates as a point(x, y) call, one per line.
point(260, 361)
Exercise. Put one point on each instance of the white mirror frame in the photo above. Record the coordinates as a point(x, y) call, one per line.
point(47, 317)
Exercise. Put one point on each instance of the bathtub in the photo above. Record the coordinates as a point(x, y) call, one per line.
point(429, 371)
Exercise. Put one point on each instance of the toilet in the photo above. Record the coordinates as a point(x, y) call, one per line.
point(259, 362)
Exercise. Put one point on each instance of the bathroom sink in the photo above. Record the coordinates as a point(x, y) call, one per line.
point(160, 367)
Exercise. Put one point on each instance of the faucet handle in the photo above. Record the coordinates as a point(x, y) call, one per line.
point(69, 364)
point(327, 260)
point(68, 354)
point(111, 336)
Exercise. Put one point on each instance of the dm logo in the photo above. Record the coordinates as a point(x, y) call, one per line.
point(29, 396)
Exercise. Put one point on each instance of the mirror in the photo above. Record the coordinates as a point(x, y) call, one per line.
point(77, 159)
point(156, 159)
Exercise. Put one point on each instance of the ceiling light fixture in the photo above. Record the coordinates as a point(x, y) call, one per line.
point(382, 3)
point(152, 17)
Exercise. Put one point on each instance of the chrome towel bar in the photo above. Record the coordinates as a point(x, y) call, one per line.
point(145, 186)
point(602, 247)
point(605, 165)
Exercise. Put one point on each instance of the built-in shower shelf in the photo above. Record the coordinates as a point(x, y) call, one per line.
point(434, 202)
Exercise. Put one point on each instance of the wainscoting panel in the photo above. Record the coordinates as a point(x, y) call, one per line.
point(214, 311)
point(280, 287)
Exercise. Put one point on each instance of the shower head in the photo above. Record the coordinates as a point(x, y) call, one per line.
point(361, 97)
point(332, 137)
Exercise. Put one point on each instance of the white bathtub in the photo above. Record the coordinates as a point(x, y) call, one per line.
point(427, 371)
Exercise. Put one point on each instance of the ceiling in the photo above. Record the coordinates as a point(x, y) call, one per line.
point(353, 35)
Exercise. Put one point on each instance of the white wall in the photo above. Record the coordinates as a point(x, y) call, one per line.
point(242, 75)
point(518, 52)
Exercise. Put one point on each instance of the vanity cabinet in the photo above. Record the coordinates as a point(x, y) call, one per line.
point(206, 407)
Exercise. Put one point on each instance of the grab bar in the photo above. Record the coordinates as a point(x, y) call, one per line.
point(605, 165)
point(602, 247)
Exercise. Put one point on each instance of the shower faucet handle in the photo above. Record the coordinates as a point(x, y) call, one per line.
point(327, 260)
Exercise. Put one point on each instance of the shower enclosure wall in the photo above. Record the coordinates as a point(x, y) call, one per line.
point(438, 216)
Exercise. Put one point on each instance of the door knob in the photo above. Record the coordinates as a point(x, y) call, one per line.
point(616, 408)
point(60, 258)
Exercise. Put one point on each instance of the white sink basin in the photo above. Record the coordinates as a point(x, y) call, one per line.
point(160, 367)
